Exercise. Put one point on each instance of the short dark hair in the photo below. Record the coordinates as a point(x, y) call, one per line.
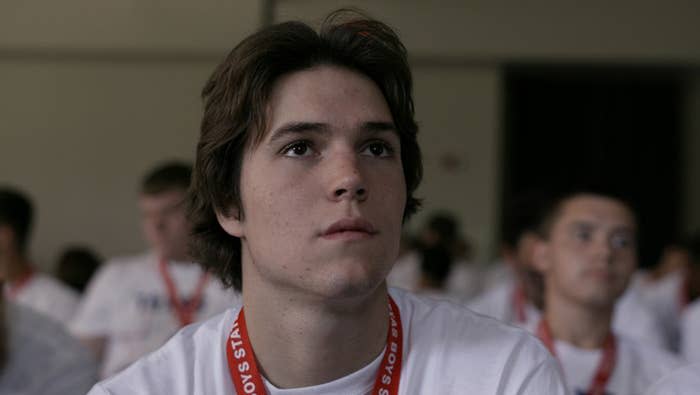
point(446, 226)
point(691, 243)
point(17, 212)
point(435, 265)
point(235, 100)
point(522, 214)
point(76, 266)
point(167, 176)
point(553, 208)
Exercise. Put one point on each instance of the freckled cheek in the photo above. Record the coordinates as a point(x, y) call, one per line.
point(390, 191)
point(283, 213)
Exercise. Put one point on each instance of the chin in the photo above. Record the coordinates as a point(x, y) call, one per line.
point(350, 285)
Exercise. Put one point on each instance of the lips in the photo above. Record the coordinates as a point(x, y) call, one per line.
point(349, 227)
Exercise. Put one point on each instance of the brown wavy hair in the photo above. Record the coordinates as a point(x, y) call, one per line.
point(235, 99)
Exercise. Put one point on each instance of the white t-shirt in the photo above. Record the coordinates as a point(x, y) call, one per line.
point(42, 357)
point(683, 381)
point(497, 302)
point(632, 317)
point(127, 302)
point(637, 366)
point(462, 282)
point(664, 299)
point(447, 350)
point(48, 296)
point(690, 332)
point(405, 273)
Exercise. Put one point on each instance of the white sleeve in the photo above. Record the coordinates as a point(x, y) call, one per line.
point(683, 381)
point(99, 390)
point(97, 309)
point(690, 334)
point(545, 378)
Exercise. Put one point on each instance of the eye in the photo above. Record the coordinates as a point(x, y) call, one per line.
point(379, 149)
point(620, 241)
point(582, 234)
point(298, 149)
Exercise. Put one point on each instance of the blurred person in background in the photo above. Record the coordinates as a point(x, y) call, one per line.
point(134, 304)
point(24, 283)
point(38, 356)
point(675, 289)
point(690, 316)
point(518, 297)
point(586, 251)
point(518, 294)
point(440, 235)
point(76, 266)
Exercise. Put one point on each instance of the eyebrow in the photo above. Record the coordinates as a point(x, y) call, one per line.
point(319, 127)
point(586, 224)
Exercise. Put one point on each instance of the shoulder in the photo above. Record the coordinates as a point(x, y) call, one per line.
point(682, 381)
point(54, 288)
point(653, 361)
point(136, 262)
point(41, 348)
point(189, 363)
point(123, 268)
point(459, 328)
point(692, 312)
point(443, 337)
point(493, 301)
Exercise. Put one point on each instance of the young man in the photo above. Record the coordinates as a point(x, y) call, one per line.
point(518, 298)
point(24, 284)
point(587, 254)
point(134, 304)
point(305, 171)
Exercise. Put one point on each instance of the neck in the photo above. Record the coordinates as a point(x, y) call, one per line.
point(173, 258)
point(300, 342)
point(15, 267)
point(580, 325)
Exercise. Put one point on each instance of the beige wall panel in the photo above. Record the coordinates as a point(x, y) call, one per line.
point(78, 137)
point(543, 29)
point(174, 25)
point(458, 113)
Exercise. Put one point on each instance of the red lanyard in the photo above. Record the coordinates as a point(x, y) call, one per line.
point(519, 304)
point(605, 367)
point(14, 288)
point(247, 379)
point(184, 311)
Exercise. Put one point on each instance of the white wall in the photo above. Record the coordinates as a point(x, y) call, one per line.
point(458, 113)
point(94, 93)
point(646, 30)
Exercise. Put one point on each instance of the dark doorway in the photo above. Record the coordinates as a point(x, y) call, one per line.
point(616, 125)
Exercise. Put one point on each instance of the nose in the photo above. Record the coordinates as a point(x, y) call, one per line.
point(347, 182)
point(604, 250)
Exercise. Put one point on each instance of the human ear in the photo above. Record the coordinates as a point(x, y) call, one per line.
point(6, 236)
point(540, 255)
point(231, 222)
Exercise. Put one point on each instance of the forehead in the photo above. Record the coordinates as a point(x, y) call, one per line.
point(595, 210)
point(163, 199)
point(328, 94)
